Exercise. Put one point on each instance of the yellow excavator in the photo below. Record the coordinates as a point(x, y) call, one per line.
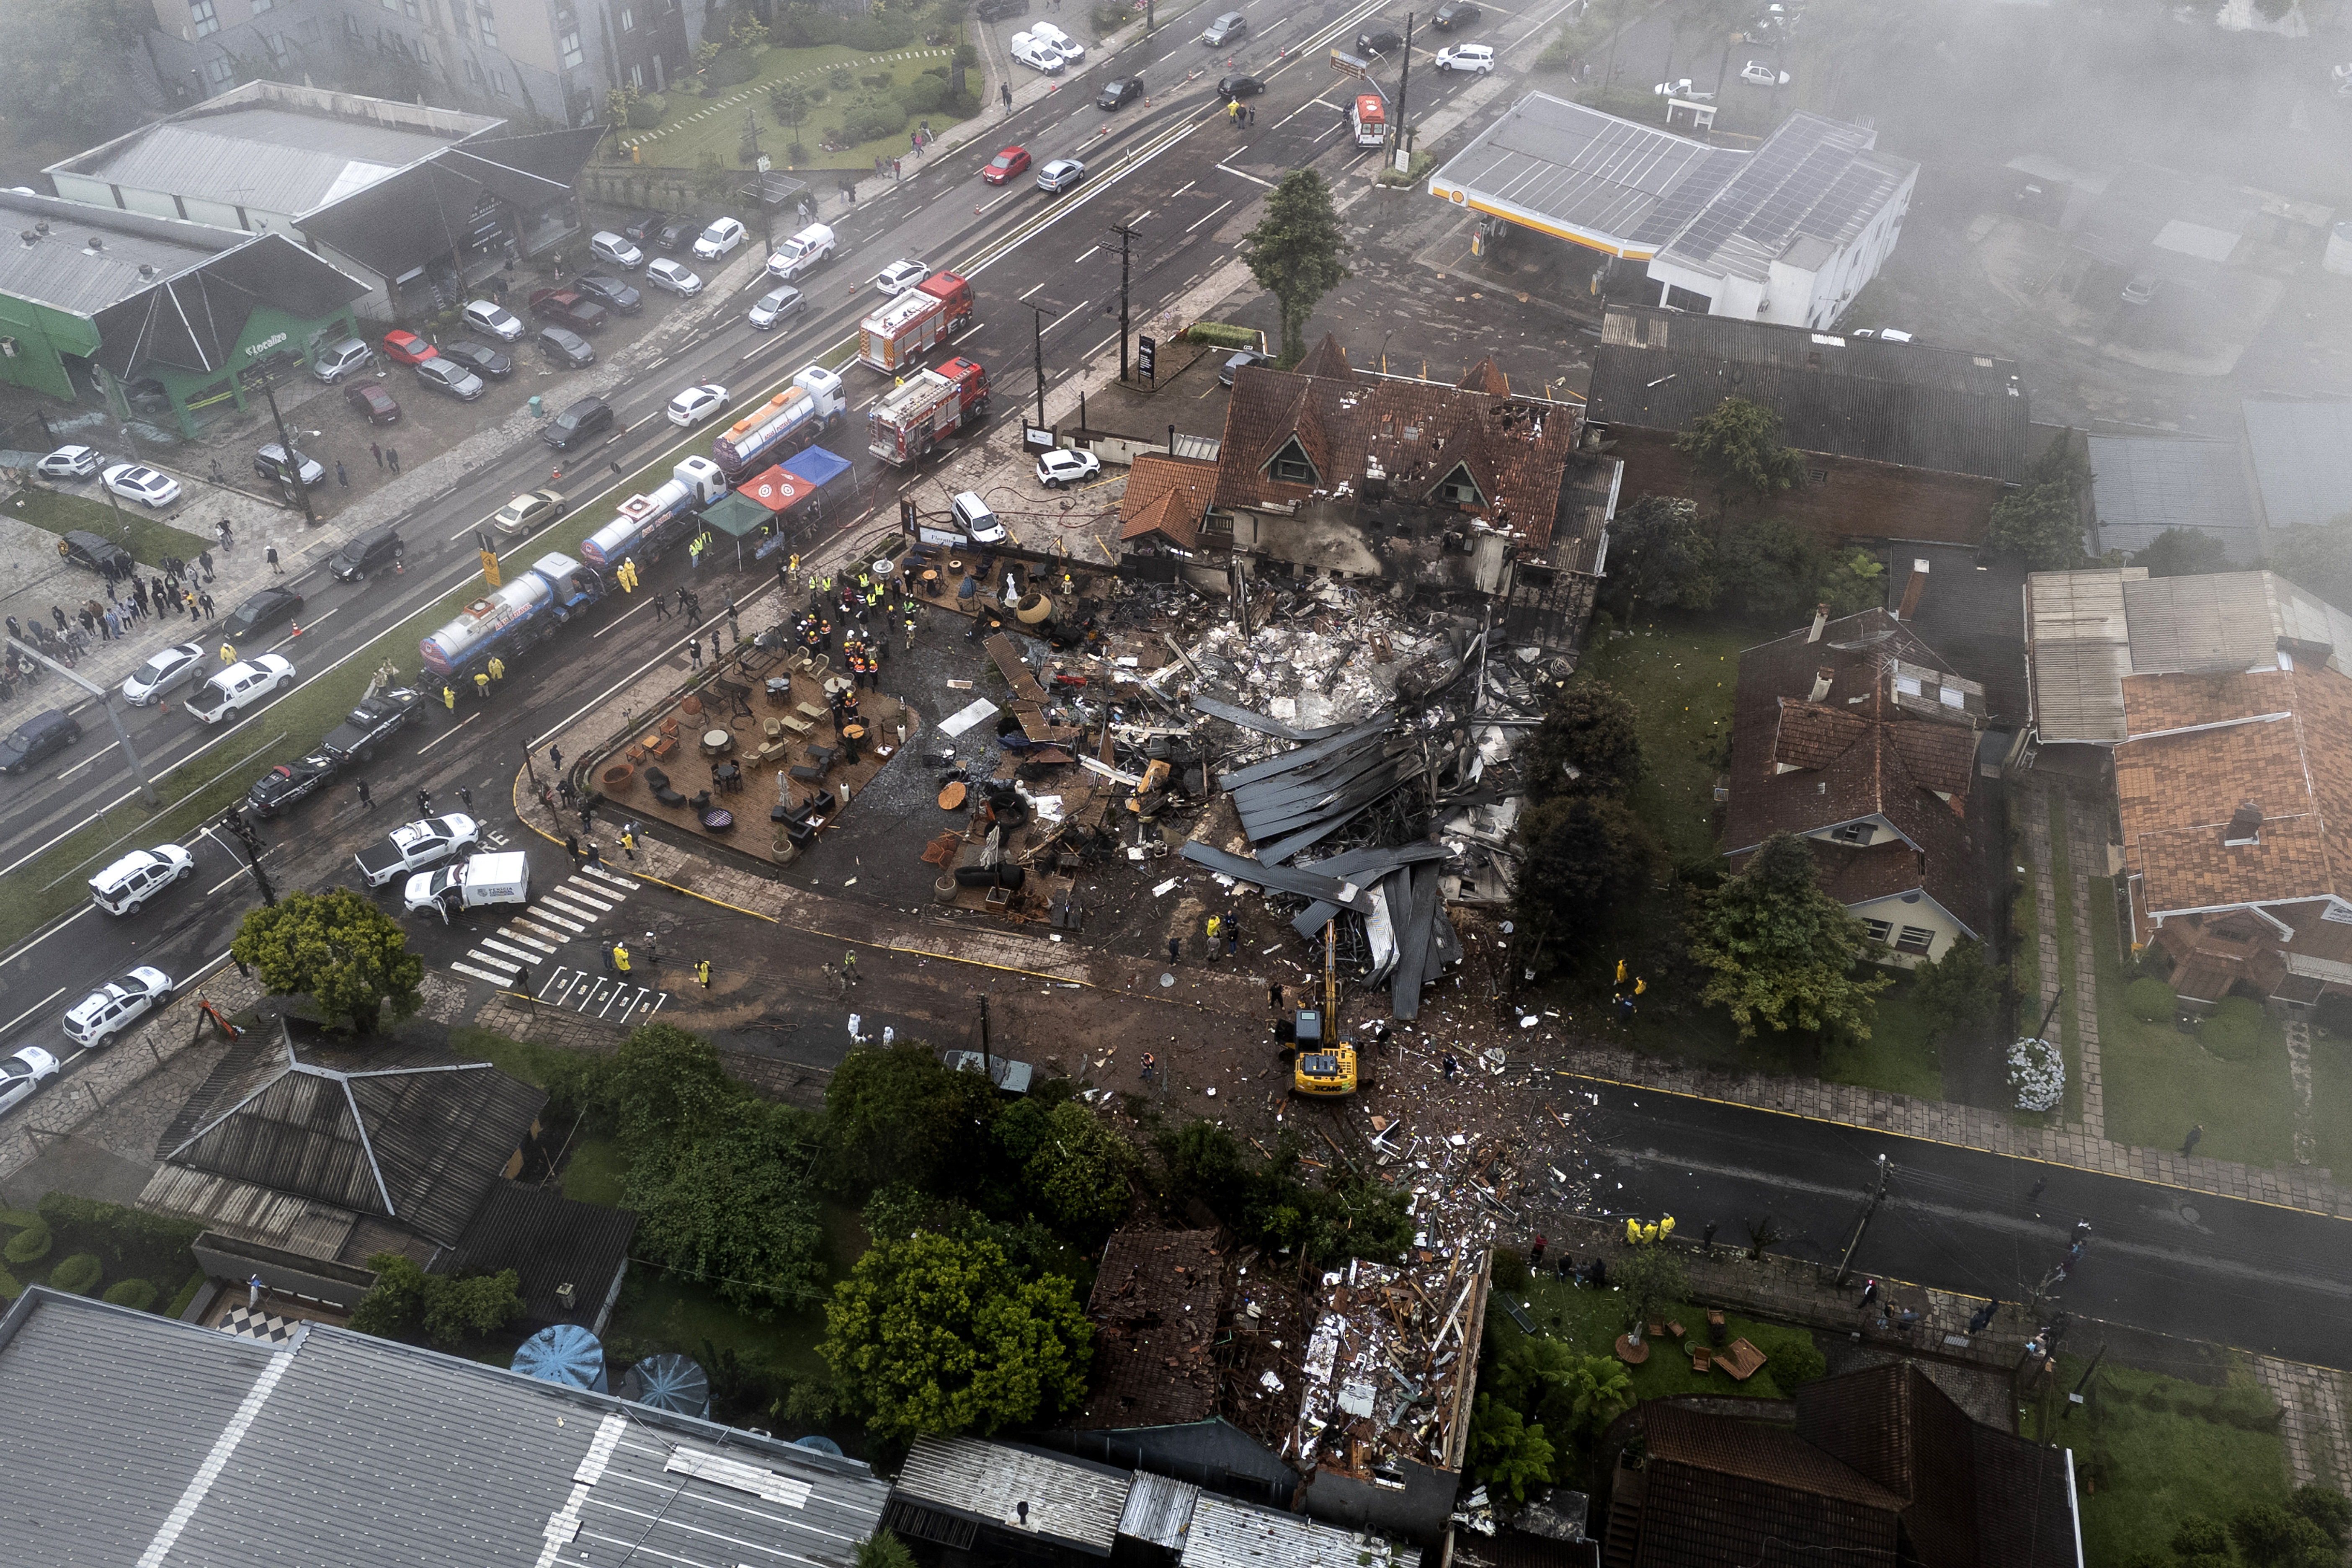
point(1325, 1067)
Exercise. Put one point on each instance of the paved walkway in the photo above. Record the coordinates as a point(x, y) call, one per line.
point(2314, 1402)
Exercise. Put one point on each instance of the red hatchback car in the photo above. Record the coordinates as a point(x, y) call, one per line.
point(1005, 165)
point(371, 399)
point(407, 348)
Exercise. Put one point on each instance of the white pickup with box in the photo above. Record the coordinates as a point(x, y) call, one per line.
point(473, 883)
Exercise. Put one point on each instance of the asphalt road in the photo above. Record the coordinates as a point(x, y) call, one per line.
point(2252, 1274)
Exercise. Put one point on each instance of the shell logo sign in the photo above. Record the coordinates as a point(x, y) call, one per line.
point(777, 494)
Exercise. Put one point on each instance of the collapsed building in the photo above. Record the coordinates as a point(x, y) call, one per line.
point(1346, 1396)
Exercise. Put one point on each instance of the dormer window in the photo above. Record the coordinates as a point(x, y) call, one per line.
point(1855, 833)
point(1459, 488)
point(1291, 465)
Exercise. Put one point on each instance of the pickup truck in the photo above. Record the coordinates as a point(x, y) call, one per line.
point(239, 686)
point(481, 880)
point(417, 846)
point(289, 782)
point(564, 308)
point(375, 721)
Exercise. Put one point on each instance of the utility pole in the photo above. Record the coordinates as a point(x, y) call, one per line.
point(1125, 235)
point(106, 701)
point(238, 827)
point(1038, 342)
point(1877, 1191)
point(758, 178)
point(293, 457)
point(1404, 80)
point(2075, 1396)
point(987, 1068)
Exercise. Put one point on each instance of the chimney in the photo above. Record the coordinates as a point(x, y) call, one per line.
point(2245, 827)
point(569, 1295)
point(1913, 589)
point(1821, 619)
point(1821, 679)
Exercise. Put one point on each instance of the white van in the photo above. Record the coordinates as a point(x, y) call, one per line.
point(123, 887)
point(1035, 55)
point(475, 882)
point(971, 515)
point(801, 252)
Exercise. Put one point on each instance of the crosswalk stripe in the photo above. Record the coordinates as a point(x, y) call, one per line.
point(505, 979)
point(529, 926)
point(580, 909)
point(615, 878)
point(558, 921)
point(588, 893)
point(514, 932)
point(495, 945)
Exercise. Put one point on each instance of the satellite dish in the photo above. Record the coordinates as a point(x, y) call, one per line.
point(566, 1354)
point(673, 1383)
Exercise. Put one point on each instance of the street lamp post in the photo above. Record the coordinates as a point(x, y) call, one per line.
point(1125, 235)
point(1038, 343)
point(293, 457)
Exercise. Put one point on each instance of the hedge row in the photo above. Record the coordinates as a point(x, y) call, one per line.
point(1219, 334)
point(129, 1241)
point(873, 34)
point(80, 1274)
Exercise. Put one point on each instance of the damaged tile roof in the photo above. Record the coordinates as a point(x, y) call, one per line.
point(1406, 439)
point(1167, 496)
point(1891, 730)
point(1157, 1298)
point(1946, 410)
point(2270, 750)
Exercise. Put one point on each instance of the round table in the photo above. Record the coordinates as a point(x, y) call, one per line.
point(1629, 1353)
point(716, 741)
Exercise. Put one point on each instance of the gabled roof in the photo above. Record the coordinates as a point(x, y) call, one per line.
point(549, 1240)
point(404, 1134)
point(151, 1439)
point(1167, 496)
point(193, 321)
point(1717, 1489)
point(1946, 410)
point(1327, 358)
point(1894, 731)
point(1400, 435)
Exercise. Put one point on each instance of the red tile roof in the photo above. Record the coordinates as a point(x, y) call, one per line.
point(1167, 496)
point(1417, 435)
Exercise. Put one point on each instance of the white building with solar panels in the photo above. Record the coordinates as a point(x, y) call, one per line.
point(1788, 233)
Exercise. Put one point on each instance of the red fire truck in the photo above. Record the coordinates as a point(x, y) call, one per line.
point(895, 336)
point(912, 418)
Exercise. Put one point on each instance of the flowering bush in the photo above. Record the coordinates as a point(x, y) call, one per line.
point(2037, 1072)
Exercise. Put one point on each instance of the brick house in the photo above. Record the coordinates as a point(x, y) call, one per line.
point(1901, 441)
point(2225, 707)
point(1855, 735)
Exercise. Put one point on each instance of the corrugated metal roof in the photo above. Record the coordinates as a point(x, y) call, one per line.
point(1229, 1535)
point(2143, 485)
point(2219, 622)
point(550, 1240)
point(1069, 1500)
point(2302, 458)
point(110, 1414)
point(283, 1220)
point(61, 271)
point(418, 1139)
point(1158, 1510)
point(1947, 410)
point(262, 157)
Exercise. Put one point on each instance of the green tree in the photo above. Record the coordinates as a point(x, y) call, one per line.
point(2271, 1536)
point(2201, 1542)
point(884, 1549)
point(1293, 253)
point(2317, 560)
point(338, 949)
point(2325, 1507)
point(1661, 555)
point(1504, 1451)
point(1855, 581)
point(2041, 523)
point(1649, 1279)
point(789, 102)
point(1736, 447)
point(729, 1204)
point(64, 67)
point(2183, 552)
point(898, 1113)
point(1959, 989)
point(1079, 1171)
point(1578, 857)
point(1781, 950)
point(663, 1083)
point(466, 1309)
point(931, 1334)
point(1589, 743)
point(396, 1301)
point(1772, 570)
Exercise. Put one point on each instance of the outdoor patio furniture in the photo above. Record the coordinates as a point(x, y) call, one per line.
point(1656, 1330)
point(1715, 1329)
point(807, 775)
point(1631, 1354)
point(1740, 1360)
point(660, 746)
point(820, 803)
point(771, 726)
point(797, 726)
point(718, 819)
point(1702, 1358)
point(714, 742)
point(1675, 1328)
point(812, 713)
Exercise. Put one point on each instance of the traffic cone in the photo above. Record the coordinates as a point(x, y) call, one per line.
point(297, 629)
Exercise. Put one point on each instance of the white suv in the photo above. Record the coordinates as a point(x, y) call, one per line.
point(239, 686)
point(1477, 57)
point(116, 1006)
point(124, 888)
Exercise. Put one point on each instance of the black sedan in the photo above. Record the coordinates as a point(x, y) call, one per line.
point(1229, 88)
point(1118, 91)
point(266, 611)
point(566, 350)
point(288, 783)
point(1456, 14)
point(480, 358)
point(610, 292)
point(676, 234)
point(644, 226)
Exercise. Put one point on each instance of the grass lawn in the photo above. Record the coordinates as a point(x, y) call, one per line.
point(2069, 1023)
point(2331, 1101)
point(659, 1314)
point(2149, 1469)
point(147, 537)
point(1678, 673)
point(2159, 1081)
point(1591, 1320)
point(594, 1172)
point(1900, 1055)
point(698, 125)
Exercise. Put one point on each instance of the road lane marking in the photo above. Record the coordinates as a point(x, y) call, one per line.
point(33, 1009)
point(1252, 179)
point(1211, 213)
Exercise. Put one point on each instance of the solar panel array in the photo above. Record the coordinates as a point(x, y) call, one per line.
point(1592, 172)
point(1812, 176)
